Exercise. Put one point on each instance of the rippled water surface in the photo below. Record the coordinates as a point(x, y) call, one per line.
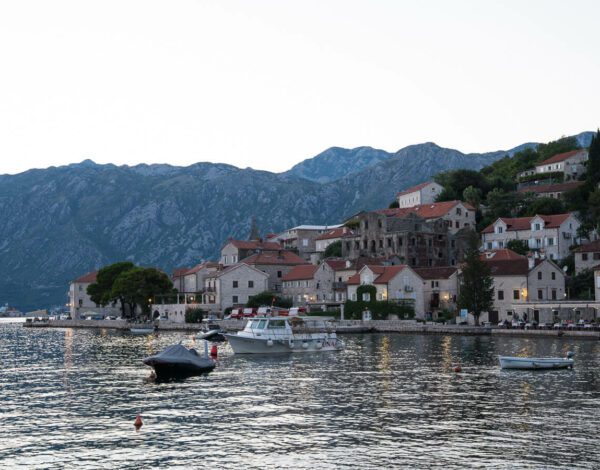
point(68, 399)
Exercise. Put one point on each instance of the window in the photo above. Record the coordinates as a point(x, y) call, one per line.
point(430, 242)
point(354, 296)
point(553, 276)
point(225, 259)
point(536, 226)
point(500, 295)
point(457, 224)
point(550, 241)
point(80, 287)
point(357, 244)
point(453, 243)
point(235, 299)
point(414, 261)
point(458, 211)
point(235, 284)
point(347, 246)
point(489, 245)
point(81, 302)
point(516, 294)
point(500, 244)
point(540, 294)
point(305, 242)
point(539, 275)
point(278, 273)
point(389, 242)
point(583, 256)
point(250, 284)
point(234, 258)
point(553, 294)
point(499, 229)
point(435, 283)
point(380, 243)
point(596, 256)
point(366, 297)
point(366, 224)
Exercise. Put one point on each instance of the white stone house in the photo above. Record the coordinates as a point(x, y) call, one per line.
point(193, 279)
point(299, 284)
point(550, 235)
point(80, 302)
point(424, 193)
point(332, 236)
point(572, 164)
point(587, 256)
point(391, 283)
point(523, 287)
point(440, 288)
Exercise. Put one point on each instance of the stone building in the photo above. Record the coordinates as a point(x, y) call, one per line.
point(80, 302)
point(415, 241)
point(457, 215)
point(550, 235)
point(236, 250)
point(299, 284)
point(587, 256)
point(276, 264)
point(303, 240)
point(553, 190)
point(571, 164)
point(332, 236)
point(424, 193)
point(440, 288)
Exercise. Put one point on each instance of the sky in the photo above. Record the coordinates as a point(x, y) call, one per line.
point(267, 84)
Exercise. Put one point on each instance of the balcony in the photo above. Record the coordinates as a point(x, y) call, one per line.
point(339, 286)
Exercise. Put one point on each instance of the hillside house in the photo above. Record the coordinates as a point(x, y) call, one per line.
point(424, 193)
point(302, 240)
point(457, 215)
point(236, 250)
point(332, 236)
point(587, 256)
point(571, 164)
point(551, 235)
point(276, 264)
point(554, 190)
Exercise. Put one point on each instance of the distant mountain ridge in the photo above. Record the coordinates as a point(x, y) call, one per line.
point(61, 222)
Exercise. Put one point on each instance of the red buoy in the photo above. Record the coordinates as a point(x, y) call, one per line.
point(457, 369)
point(213, 350)
point(138, 422)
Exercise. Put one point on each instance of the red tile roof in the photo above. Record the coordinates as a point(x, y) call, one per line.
point(551, 188)
point(434, 210)
point(588, 247)
point(524, 223)
point(200, 266)
point(414, 188)
point(560, 157)
point(254, 245)
point(87, 278)
point(338, 264)
point(500, 255)
point(302, 272)
point(335, 233)
point(440, 272)
point(518, 267)
point(179, 272)
point(385, 274)
point(282, 257)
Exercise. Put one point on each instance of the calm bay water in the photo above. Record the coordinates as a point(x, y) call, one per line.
point(68, 399)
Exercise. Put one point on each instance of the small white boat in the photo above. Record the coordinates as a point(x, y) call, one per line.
point(508, 362)
point(271, 335)
point(141, 331)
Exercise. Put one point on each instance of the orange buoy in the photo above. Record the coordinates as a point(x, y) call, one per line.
point(138, 422)
point(213, 350)
point(457, 369)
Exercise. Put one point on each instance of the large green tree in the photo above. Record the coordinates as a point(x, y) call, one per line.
point(476, 290)
point(138, 286)
point(518, 246)
point(333, 250)
point(101, 291)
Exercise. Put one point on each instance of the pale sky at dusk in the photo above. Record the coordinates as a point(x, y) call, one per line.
point(267, 84)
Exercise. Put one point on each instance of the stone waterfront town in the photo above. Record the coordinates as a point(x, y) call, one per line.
point(411, 253)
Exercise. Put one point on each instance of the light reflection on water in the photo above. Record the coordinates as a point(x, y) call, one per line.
point(68, 399)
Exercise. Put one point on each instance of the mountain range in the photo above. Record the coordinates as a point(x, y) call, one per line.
point(61, 222)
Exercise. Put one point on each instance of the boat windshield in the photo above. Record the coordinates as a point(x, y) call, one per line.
point(276, 324)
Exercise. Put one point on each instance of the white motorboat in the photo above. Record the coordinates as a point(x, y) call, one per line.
point(269, 335)
point(508, 362)
point(141, 331)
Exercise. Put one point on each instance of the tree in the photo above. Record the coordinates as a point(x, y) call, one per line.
point(593, 164)
point(333, 250)
point(268, 298)
point(138, 286)
point(456, 181)
point(594, 209)
point(472, 196)
point(544, 206)
point(394, 204)
point(518, 246)
point(100, 292)
point(581, 286)
point(477, 290)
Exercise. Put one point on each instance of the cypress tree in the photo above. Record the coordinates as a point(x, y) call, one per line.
point(477, 289)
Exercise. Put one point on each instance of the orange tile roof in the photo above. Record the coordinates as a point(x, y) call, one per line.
point(560, 157)
point(385, 274)
point(253, 244)
point(503, 254)
point(282, 257)
point(302, 272)
point(337, 264)
point(588, 247)
point(551, 188)
point(524, 223)
point(89, 277)
point(518, 267)
point(439, 272)
point(414, 188)
point(335, 233)
point(427, 211)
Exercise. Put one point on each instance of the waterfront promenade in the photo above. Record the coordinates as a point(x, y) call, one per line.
point(341, 326)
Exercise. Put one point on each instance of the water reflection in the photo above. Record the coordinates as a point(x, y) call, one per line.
point(69, 398)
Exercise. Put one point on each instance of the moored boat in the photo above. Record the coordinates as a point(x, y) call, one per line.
point(179, 361)
point(508, 362)
point(141, 331)
point(269, 335)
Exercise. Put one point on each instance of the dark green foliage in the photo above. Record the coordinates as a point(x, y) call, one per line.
point(194, 315)
point(548, 178)
point(472, 195)
point(328, 313)
point(569, 262)
point(593, 164)
point(101, 292)
point(476, 290)
point(562, 145)
point(394, 204)
point(456, 181)
point(267, 299)
point(507, 168)
point(138, 286)
point(544, 206)
point(518, 246)
point(366, 289)
point(581, 286)
point(379, 309)
point(334, 250)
